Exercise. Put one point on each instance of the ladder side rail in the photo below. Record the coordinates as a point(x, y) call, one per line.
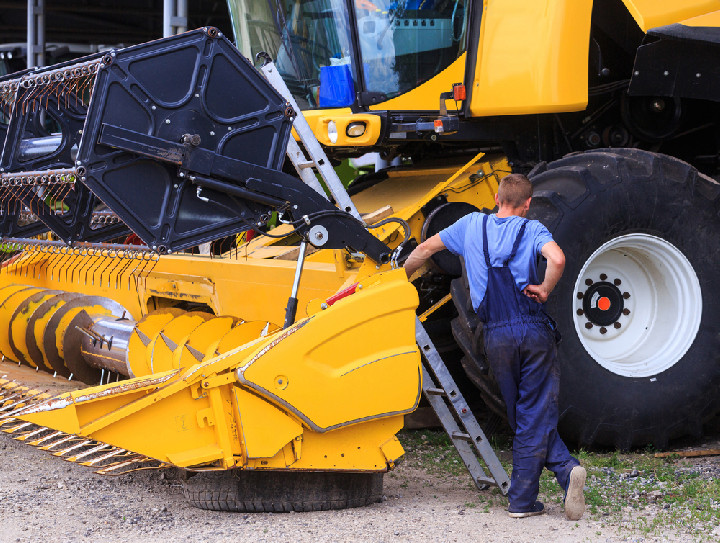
point(482, 481)
point(461, 408)
point(312, 145)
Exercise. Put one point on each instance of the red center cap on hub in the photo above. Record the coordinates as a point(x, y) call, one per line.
point(603, 303)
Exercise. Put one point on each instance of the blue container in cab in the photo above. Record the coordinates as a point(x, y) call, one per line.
point(336, 86)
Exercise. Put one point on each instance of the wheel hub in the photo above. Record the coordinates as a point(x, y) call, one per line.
point(603, 303)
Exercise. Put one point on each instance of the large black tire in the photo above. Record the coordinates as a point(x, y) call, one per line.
point(277, 492)
point(586, 200)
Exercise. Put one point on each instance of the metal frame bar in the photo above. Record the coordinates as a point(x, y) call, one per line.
point(35, 33)
point(175, 17)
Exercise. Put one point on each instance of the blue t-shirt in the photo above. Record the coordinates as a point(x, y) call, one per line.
point(464, 238)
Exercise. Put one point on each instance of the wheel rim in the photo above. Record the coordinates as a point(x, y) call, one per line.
point(637, 305)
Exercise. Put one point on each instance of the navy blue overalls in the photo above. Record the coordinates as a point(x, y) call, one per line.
point(520, 346)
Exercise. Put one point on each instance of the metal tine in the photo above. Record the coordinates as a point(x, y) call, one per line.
point(23, 400)
point(6, 399)
point(90, 261)
point(16, 428)
point(114, 452)
point(75, 263)
point(68, 437)
point(48, 437)
point(139, 459)
point(28, 435)
point(73, 447)
point(119, 275)
point(89, 452)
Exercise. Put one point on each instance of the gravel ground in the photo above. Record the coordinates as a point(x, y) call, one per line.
point(45, 499)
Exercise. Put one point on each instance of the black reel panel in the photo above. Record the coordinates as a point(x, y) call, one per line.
point(156, 104)
point(42, 114)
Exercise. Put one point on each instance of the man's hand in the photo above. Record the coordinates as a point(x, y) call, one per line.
point(421, 253)
point(555, 267)
point(537, 293)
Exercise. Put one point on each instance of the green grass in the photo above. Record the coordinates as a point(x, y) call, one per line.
point(635, 493)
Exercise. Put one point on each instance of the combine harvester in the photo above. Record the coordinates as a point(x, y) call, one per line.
point(610, 106)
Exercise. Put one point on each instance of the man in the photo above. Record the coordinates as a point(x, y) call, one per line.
point(501, 252)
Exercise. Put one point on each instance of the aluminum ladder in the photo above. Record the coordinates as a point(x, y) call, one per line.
point(456, 417)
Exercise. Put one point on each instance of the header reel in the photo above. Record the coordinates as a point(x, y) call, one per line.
point(179, 140)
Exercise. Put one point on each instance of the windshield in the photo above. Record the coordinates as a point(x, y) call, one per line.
point(309, 41)
point(401, 44)
point(404, 43)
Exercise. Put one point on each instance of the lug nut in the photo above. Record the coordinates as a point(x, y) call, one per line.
point(603, 330)
point(626, 295)
point(617, 324)
point(617, 282)
point(626, 311)
point(588, 325)
point(588, 282)
point(580, 295)
point(580, 312)
point(603, 277)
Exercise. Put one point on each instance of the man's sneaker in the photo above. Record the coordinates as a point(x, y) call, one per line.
point(537, 509)
point(575, 498)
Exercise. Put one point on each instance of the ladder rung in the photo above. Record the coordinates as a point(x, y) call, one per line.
point(463, 436)
point(435, 391)
point(307, 164)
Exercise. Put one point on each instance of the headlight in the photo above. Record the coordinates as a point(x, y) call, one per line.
point(332, 132)
point(355, 130)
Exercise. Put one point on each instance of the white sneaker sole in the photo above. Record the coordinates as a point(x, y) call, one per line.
point(575, 498)
point(526, 514)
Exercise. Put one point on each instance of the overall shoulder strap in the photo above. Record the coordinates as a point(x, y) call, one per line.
point(516, 245)
point(485, 241)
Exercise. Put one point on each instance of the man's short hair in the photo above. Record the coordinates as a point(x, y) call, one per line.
point(514, 190)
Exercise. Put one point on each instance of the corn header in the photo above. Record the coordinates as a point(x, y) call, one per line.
point(128, 157)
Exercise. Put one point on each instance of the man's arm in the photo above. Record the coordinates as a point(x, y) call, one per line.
point(555, 266)
point(421, 253)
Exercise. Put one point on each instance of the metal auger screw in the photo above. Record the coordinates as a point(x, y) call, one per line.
point(212, 132)
point(588, 282)
point(588, 325)
point(617, 282)
point(167, 121)
point(617, 324)
point(603, 277)
point(323, 305)
point(580, 312)
point(153, 107)
point(626, 311)
point(626, 295)
point(603, 330)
